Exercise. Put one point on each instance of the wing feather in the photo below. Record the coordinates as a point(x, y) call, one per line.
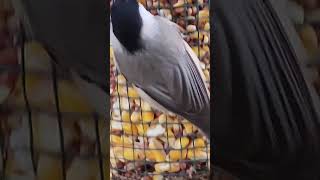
point(185, 92)
point(168, 76)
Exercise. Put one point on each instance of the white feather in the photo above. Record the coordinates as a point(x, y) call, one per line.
point(149, 25)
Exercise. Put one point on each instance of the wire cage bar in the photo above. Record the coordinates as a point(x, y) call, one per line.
point(146, 143)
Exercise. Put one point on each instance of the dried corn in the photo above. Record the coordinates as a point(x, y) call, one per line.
point(167, 167)
point(197, 154)
point(156, 149)
point(133, 154)
point(130, 129)
point(142, 129)
point(181, 143)
point(176, 155)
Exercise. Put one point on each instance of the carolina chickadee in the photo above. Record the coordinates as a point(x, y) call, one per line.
point(152, 55)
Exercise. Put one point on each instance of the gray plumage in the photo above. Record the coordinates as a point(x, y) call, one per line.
point(166, 70)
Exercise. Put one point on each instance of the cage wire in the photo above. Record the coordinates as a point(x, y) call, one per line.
point(71, 144)
point(146, 143)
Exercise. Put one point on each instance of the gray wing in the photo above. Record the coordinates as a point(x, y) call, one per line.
point(75, 31)
point(170, 76)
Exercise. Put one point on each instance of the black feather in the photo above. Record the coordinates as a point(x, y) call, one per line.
point(127, 24)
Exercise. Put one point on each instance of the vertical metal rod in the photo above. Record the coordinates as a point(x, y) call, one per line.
point(3, 155)
point(28, 108)
point(96, 120)
point(59, 115)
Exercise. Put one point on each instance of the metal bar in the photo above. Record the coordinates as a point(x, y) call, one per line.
point(96, 120)
point(59, 116)
point(28, 108)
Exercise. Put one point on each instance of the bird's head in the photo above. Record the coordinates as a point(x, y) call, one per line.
point(127, 23)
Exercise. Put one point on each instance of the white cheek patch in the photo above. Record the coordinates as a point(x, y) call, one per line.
point(149, 24)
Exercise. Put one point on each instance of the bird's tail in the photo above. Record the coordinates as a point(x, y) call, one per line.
point(202, 121)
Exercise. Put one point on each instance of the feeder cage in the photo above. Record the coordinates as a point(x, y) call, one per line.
point(144, 142)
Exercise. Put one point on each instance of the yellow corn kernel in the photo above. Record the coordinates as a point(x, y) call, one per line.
point(195, 154)
point(169, 133)
point(162, 167)
point(196, 35)
point(159, 155)
point(132, 93)
point(164, 119)
point(189, 128)
point(133, 154)
point(121, 79)
point(181, 143)
point(136, 116)
point(157, 177)
point(175, 155)
point(130, 129)
point(199, 54)
point(205, 39)
point(115, 140)
point(147, 117)
point(156, 149)
point(206, 74)
point(111, 52)
point(150, 155)
point(207, 27)
point(203, 13)
point(121, 90)
point(126, 141)
point(199, 143)
point(206, 49)
point(125, 116)
point(142, 129)
point(175, 167)
point(117, 152)
point(167, 167)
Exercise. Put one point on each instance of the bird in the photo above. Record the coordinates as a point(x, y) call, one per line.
point(152, 55)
